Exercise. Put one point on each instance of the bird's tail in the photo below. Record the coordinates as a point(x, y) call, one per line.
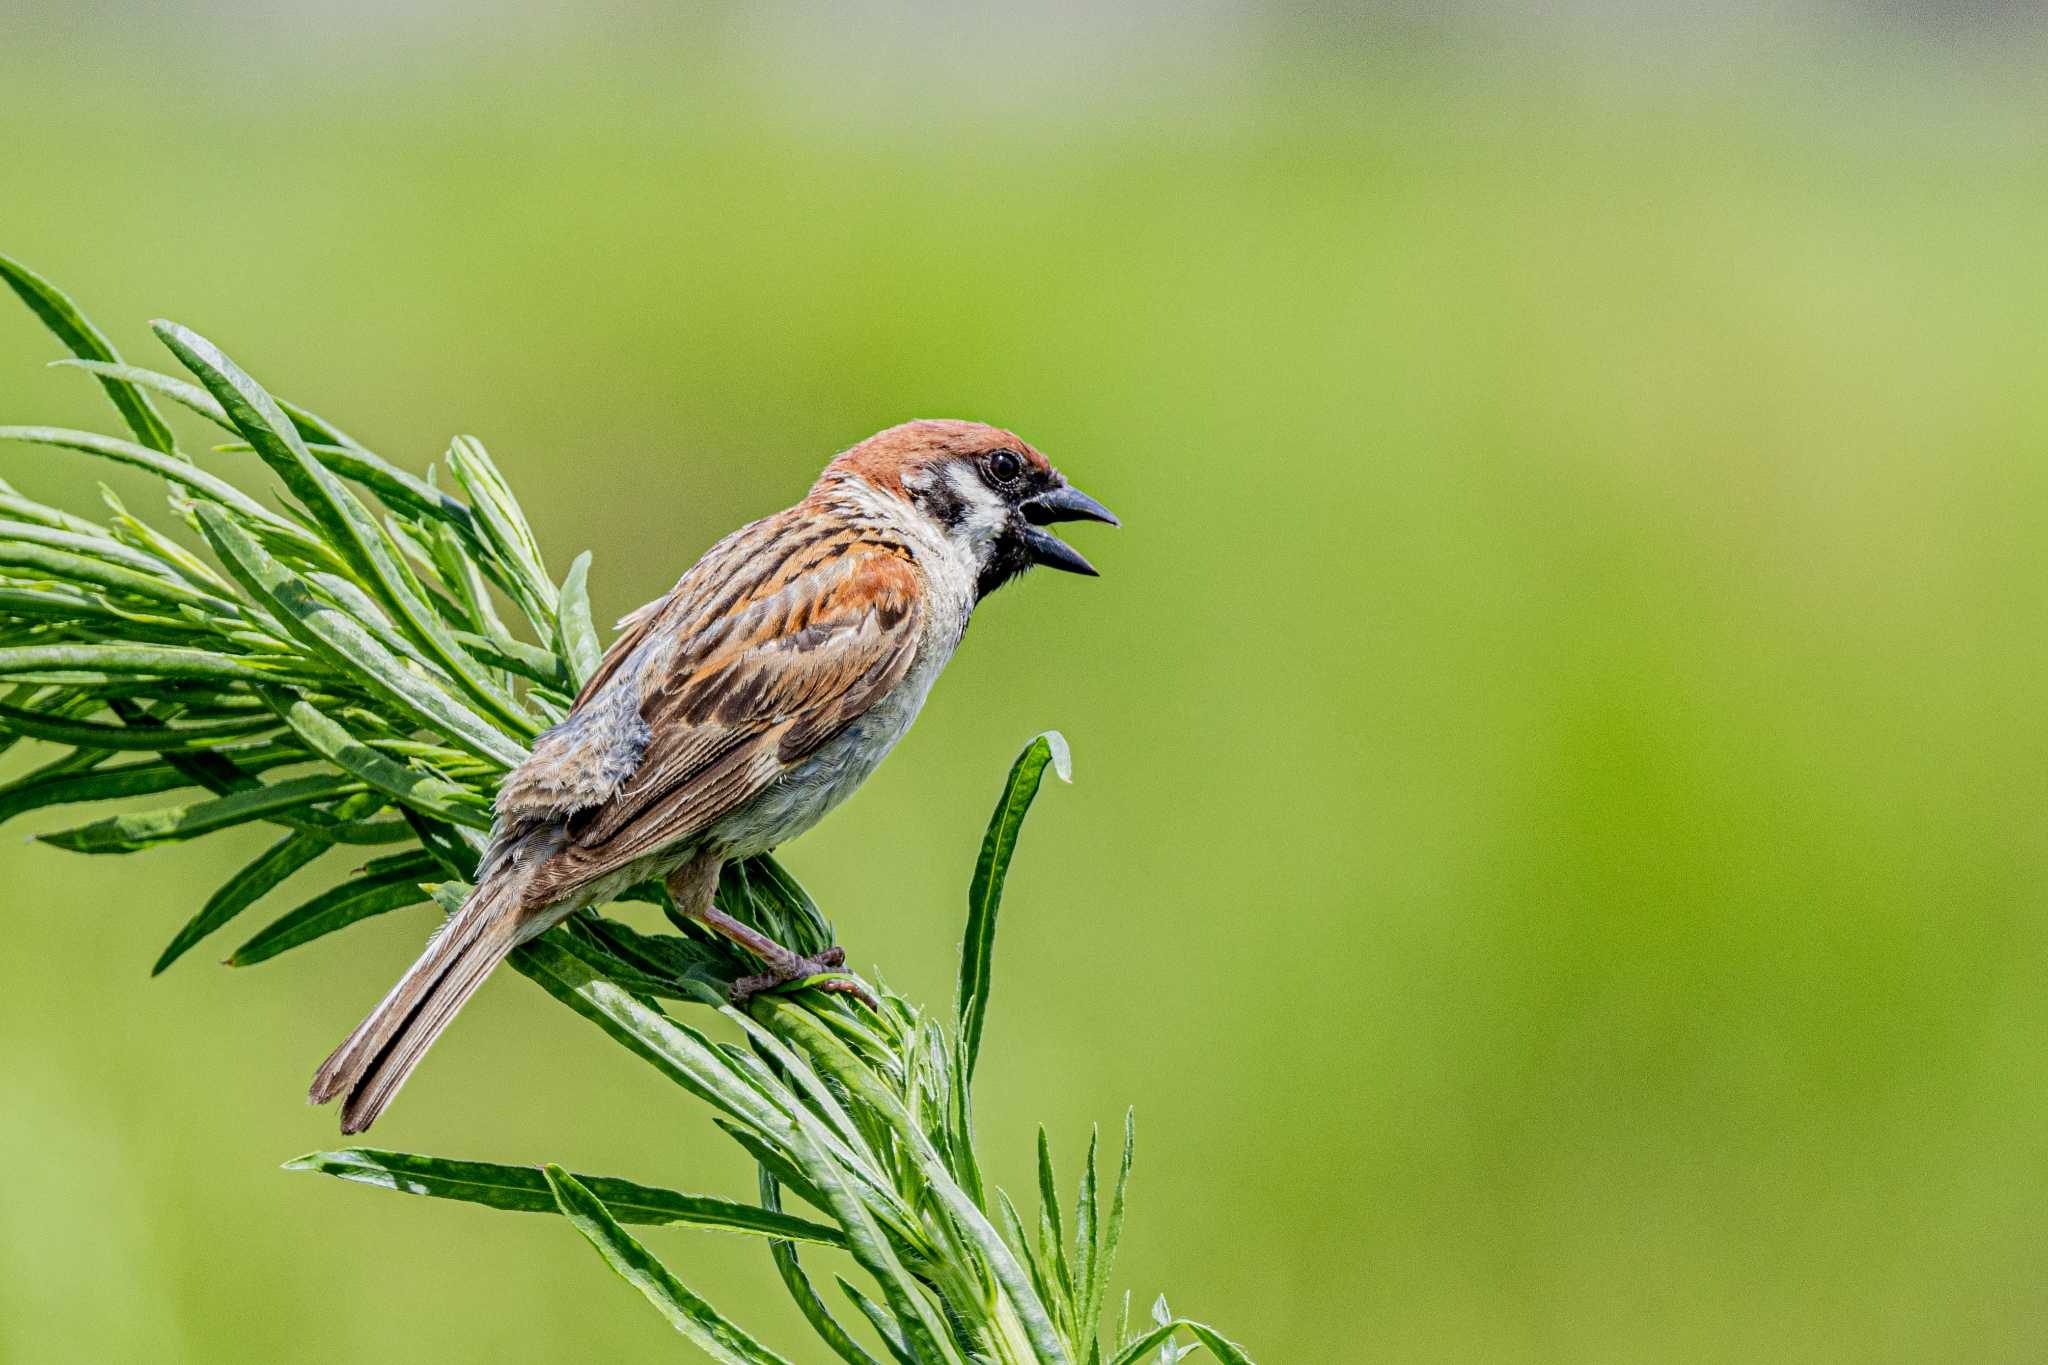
point(373, 1062)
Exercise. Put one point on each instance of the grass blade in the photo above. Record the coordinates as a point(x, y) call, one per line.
point(61, 316)
point(985, 894)
point(695, 1319)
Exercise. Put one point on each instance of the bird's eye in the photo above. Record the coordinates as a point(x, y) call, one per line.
point(1005, 465)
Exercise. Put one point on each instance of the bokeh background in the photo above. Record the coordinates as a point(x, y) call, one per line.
point(1558, 847)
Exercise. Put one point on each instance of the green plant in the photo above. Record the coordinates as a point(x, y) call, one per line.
point(341, 668)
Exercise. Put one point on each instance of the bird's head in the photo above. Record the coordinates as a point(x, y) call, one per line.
point(984, 489)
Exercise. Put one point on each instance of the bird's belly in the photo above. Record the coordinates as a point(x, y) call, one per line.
point(802, 796)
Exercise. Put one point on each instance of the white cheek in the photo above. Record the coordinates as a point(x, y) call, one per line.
point(987, 514)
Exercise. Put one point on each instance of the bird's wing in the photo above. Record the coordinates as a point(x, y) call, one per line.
point(733, 689)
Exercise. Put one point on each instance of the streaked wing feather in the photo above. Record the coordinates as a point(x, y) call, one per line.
point(746, 694)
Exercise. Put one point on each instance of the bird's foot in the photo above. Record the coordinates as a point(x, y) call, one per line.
point(826, 971)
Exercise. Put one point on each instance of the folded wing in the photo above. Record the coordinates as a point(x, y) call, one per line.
point(716, 692)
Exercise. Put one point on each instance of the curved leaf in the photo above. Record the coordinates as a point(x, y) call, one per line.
point(575, 636)
point(347, 644)
point(348, 525)
point(180, 391)
point(697, 1320)
point(523, 1189)
point(246, 887)
point(144, 829)
point(985, 893)
point(99, 735)
point(391, 887)
point(423, 792)
point(85, 341)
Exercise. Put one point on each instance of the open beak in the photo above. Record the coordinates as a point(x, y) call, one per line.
point(1062, 504)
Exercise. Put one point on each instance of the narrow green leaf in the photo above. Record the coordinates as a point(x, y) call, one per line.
point(454, 848)
point(801, 1292)
point(774, 1163)
point(24, 557)
point(98, 735)
point(575, 636)
point(1020, 1241)
point(1223, 1348)
point(91, 662)
point(170, 468)
point(93, 613)
point(62, 788)
point(686, 1057)
point(85, 341)
point(516, 656)
point(523, 1189)
point(180, 391)
point(836, 1061)
point(504, 527)
point(313, 427)
point(421, 791)
point(348, 524)
point(392, 888)
point(960, 1124)
point(140, 536)
point(145, 829)
point(19, 508)
point(679, 1052)
point(252, 883)
point(394, 487)
point(1226, 1351)
point(347, 644)
point(695, 1319)
point(1087, 1245)
point(576, 937)
point(1113, 1228)
point(985, 894)
point(1052, 1238)
point(885, 1326)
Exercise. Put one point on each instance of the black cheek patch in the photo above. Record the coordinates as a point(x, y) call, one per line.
point(943, 504)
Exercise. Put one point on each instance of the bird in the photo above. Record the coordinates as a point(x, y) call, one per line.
point(732, 713)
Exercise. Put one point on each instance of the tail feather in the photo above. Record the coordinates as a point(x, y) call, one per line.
point(374, 1061)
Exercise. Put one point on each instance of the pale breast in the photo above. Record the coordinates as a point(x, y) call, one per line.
point(800, 798)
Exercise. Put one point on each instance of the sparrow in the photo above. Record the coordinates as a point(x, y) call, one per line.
point(731, 714)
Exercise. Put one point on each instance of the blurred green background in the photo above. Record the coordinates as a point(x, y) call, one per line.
point(1557, 851)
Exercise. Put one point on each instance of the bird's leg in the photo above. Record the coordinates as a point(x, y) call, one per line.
point(694, 886)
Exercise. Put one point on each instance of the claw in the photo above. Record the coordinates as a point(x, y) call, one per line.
point(826, 971)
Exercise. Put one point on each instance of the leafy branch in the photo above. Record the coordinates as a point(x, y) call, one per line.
point(340, 667)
